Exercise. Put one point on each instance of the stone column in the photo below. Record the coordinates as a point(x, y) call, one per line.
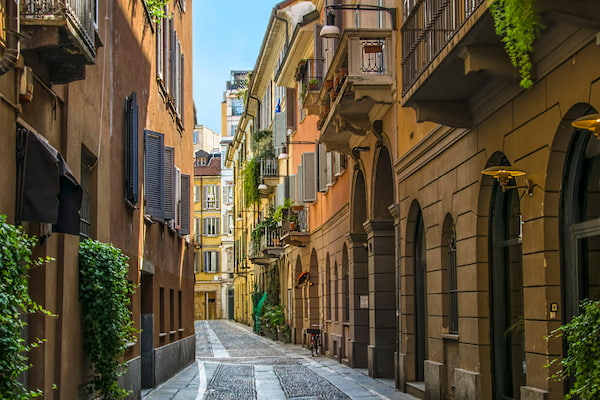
point(359, 289)
point(382, 297)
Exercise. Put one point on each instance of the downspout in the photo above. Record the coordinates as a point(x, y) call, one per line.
point(11, 52)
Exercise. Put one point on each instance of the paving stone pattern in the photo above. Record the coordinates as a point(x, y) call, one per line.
point(299, 382)
point(232, 363)
point(232, 382)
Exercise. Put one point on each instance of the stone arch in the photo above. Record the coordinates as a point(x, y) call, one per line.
point(299, 305)
point(314, 310)
point(358, 204)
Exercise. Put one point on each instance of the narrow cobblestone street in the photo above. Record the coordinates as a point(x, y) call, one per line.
point(232, 363)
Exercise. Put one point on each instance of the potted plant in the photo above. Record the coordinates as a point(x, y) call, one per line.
point(313, 84)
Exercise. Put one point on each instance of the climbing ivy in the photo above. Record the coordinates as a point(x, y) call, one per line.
point(104, 294)
point(250, 178)
point(581, 364)
point(15, 302)
point(518, 23)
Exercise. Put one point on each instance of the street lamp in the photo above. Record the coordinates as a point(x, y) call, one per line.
point(284, 154)
point(332, 31)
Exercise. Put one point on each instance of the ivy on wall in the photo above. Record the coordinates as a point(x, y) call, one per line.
point(250, 178)
point(104, 292)
point(156, 9)
point(581, 364)
point(15, 302)
point(518, 23)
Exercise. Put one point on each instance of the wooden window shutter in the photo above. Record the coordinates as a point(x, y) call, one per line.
point(309, 165)
point(322, 167)
point(300, 185)
point(292, 187)
point(185, 205)
point(291, 102)
point(279, 129)
point(153, 173)
point(169, 179)
point(318, 72)
point(166, 38)
point(159, 49)
point(131, 155)
point(330, 160)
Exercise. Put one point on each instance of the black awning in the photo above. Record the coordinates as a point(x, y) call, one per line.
point(48, 190)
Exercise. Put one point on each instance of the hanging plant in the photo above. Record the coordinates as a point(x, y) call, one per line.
point(518, 23)
point(250, 178)
point(156, 9)
point(15, 302)
point(104, 292)
point(582, 361)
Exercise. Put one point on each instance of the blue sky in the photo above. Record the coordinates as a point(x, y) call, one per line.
point(227, 36)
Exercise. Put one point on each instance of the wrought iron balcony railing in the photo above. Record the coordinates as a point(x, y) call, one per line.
point(269, 167)
point(294, 221)
point(266, 244)
point(427, 29)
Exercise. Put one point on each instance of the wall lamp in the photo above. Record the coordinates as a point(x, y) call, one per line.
point(505, 173)
point(332, 31)
point(262, 185)
point(284, 154)
point(590, 122)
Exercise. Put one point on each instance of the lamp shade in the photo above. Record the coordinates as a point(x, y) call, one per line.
point(330, 32)
point(503, 173)
point(262, 186)
point(590, 122)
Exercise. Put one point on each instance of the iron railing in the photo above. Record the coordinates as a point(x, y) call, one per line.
point(81, 14)
point(427, 29)
point(269, 167)
point(269, 237)
point(294, 221)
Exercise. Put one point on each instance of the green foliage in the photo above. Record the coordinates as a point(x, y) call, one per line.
point(156, 9)
point(259, 229)
point(15, 302)
point(250, 178)
point(258, 301)
point(104, 292)
point(518, 23)
point(261, 144)
point(272, 318)
point(282, 210)
point(582, 361)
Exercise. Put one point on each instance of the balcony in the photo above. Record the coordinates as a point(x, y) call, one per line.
point(294, 227)
point(358, 88)
point(269, 171)
point(265, 245)
point(310, 74)
point(62, 34)
point(454, 67)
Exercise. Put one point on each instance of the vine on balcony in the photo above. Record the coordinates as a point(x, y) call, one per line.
point(518, 24)
point(250, 179)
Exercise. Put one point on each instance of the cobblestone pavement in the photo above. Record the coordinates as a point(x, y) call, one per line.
point(232, 363)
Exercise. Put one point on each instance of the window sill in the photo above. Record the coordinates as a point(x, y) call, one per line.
point(451, 337)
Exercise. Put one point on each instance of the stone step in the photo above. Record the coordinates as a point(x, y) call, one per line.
point(416, 389)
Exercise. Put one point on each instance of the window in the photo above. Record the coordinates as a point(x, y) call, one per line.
point(197, 191)
point(228, 193)
point(309, 178)
point(131, 151)
point(211, 226)
point(167, 192)
point(197, 226)
point(197, 262)
point(237, 107)
point(211, 261)
point(211, 197)
point(87, 161)
point(449, 276)
point(196, 136)
point(233, 129)
point(170, 63)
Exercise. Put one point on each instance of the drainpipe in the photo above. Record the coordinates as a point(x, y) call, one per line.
point(11, 53)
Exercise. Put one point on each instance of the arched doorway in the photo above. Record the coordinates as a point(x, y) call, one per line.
point(230, 302)
point(381, 271)
point(506, 292)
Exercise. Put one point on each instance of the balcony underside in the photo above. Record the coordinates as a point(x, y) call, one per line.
point(59, 45)
point(296, 238)
point(471, 76)
point(268, 256)
point(361, 101)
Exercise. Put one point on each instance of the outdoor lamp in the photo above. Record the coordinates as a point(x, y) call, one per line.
point(332, 31)
point(590, 122)
point(504, 174)
point(284, 154)
point(262, 186)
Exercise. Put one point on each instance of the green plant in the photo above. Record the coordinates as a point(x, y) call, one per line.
point(15, 302)
point(250, 179)
point(282, 210)
point(261, 144)
point(104, 292)
point(518, 23)
point(272, 318)
point(582, 361)
point(313, 82)
point(259, 229)
point(156, 9)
